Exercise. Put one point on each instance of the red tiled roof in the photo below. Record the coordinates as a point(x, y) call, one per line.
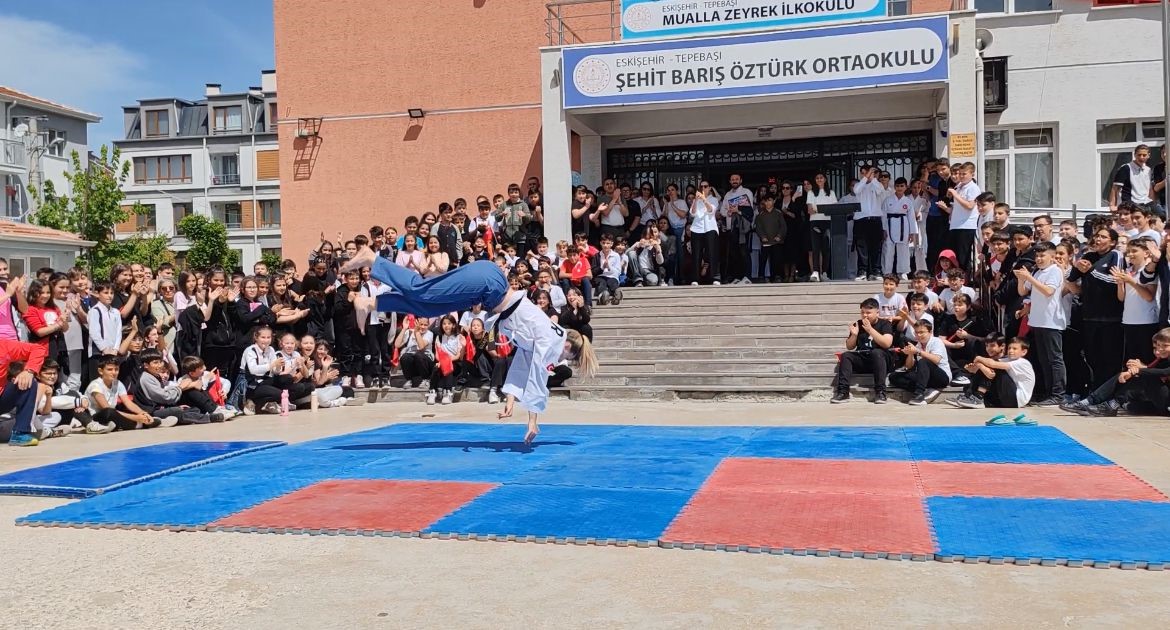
point(29, 99)
point(36, 233)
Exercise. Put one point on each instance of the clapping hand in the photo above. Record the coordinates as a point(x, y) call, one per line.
point(1083, 265)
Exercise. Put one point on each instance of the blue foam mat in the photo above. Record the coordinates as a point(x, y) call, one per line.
point(98, 474)
point(563, 512)
point(1098, 531)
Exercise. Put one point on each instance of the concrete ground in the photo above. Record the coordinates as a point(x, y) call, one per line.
point(77, 578)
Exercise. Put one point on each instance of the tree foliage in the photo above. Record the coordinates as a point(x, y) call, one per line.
point(209, 243)
point(273, 260)
point(93, 208)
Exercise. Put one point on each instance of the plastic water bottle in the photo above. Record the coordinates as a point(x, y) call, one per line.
point(284, 402)
point(314, 403)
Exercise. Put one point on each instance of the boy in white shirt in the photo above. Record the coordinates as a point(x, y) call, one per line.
point(1001, 384)
point(956, 284)
point(890, 302)
point(964, 221)
point(920, 283)
point(928, 369)
point(110, 404)
point(1139, 315)
point(1047, 319)
point(608, 284)
point(901, 230)
point(544, 282)
point(916, 312)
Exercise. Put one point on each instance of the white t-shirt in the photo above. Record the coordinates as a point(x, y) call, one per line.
point(936, 347)
point(738, 198)
point(962, 218)
point(908, 328)
point(947, 297)
point(889, 306)
point(611, 264)
point(1025, 379)
point(931, 298)
point(651, 209)
point(412, 346)
point(822, 198)
point(112, 394)
point(613, 216)
point(672, 210)
point(1138, 310)
point(1047, 311)
point(704, 221)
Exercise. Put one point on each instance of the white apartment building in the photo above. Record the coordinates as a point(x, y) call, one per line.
point(216, 156)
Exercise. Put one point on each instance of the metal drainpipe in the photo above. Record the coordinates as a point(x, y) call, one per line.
point(255, 232)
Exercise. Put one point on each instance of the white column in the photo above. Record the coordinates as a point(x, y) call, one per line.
point(556, 151)
point(962, 100)
point(592, 161)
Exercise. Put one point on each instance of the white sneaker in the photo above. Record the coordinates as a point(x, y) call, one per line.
point(694, 284)
point(249, 408)
point(359, 382)
point(903, 277)
point(168, 421)
point(736, 281)
point(825, 277)
point(715, 282)
point(860, 279)
point(426, 384)
point(448, 397)
point(46, 433)
point(815, 277)
point(670, 283)
point(406, 384)
point(493, 397)
point(431, 395)
point(227, 414)
point(340, 402)
point(747, 280)
point(96, 428)
point(346, 381)
point(76, 425)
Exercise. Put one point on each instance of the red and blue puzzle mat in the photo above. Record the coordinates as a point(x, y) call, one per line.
point(1024, 495)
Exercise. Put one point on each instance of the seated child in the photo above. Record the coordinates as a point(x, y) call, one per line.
point(867, 350)
point(997, 383)
point(158, 396)
point(920, 283)
point(59, 411)
point(1141, 388)
point(890, 302)
point(196, 383)
point(111, 405)
point(266, 376)
point(612, 265)
point(956, 285)
point(326, 378)
point(927, 368)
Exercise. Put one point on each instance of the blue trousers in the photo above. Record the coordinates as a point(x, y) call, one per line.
point(480, 282)
point(22, 403)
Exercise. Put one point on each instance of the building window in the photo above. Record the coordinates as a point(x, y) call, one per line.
point(227, 119)
point(163, 169)
point(147, 221)
point(995, 84)
point(1012, 6)
point(11, 197)
point(226, 170)
point(269, 213)
point(898, 7)
point(233, 218)
point(16, 267)
point(55, 148)
point(180, 211)
point(158, 122)
point(272, 117)
point(1019, 166)
point(1115, 3)
point(271, 252)
point(37, 263)
point(1116, 142)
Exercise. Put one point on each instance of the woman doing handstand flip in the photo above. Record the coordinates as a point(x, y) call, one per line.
point(539, 343)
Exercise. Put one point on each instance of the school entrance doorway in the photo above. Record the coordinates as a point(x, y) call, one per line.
point(758, 162)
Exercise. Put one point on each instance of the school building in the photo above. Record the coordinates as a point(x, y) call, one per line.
point(388, 108)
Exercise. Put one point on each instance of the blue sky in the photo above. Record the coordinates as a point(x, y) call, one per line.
point(99, 55)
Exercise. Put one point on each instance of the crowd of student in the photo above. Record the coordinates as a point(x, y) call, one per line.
point(1050, 322)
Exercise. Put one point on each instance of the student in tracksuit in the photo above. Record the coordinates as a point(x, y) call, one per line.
point(901, 230)
point(539, 344)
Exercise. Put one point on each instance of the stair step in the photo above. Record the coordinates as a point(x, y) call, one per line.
point(706, 326)
point(756, 288)
point(798, 337)
point(818, 379)
point(806, 365)
point(847, 311)
point(610, 355)
point(767, 393)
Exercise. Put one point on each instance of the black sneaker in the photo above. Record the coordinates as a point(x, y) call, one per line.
point(880, 398)
point(1051, 401)
point(1077, 406)
point(931, 395)
point(839, 397)
point(617, 297)
point(969, 402)
point(1107, 409)
point(918, 400)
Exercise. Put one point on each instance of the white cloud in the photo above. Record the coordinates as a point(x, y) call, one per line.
point(70, 68)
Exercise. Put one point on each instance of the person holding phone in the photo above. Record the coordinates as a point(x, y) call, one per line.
point(705, 232)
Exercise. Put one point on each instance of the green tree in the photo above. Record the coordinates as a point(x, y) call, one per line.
point(94, 208)
point(209, 243)
point(273, 260)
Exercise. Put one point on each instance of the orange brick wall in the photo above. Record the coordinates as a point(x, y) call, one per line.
point(929, 6)
point(368, 58)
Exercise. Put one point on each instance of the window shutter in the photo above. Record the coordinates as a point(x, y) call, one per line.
point(268, 164)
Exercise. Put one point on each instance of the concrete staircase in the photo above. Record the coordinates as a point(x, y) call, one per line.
point(759, 341)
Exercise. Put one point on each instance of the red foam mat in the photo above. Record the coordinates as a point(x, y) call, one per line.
point(843, 476)
point(797, 520)
point(1053, 481)
point(378, 505)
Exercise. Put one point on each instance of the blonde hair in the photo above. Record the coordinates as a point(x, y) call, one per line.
point(583, 350)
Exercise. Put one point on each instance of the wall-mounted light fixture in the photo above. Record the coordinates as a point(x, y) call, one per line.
point(415, 112)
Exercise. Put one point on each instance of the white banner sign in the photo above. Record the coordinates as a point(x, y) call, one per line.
point(662, 18)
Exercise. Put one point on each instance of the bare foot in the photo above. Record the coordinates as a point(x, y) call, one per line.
point(365, 257)
point(505, 413)
point(533, 431)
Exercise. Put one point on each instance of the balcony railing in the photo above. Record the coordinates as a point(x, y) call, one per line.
point(12, 153)
point(225, 179)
